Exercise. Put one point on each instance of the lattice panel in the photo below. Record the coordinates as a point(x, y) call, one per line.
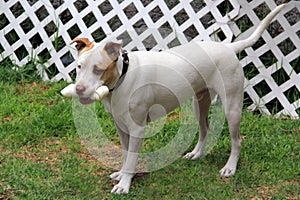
point(272, 64)
point(43, 29)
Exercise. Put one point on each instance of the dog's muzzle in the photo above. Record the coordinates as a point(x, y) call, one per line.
point(86, 101)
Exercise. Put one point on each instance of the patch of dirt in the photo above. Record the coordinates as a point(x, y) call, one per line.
point(46, 153)
point(173, 116)
point(267, 191)
point(42, 154)
point(6, 119)
point(24, 88)
point(108, 155)
point(7, 191)
point(51, 151)
point(225, 180)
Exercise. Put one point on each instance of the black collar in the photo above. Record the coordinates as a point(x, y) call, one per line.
point(124, 69)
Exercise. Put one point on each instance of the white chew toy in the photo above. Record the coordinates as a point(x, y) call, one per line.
point(100, 93)
point(70, 92)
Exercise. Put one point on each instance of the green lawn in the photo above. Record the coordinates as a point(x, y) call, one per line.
point(42, 156)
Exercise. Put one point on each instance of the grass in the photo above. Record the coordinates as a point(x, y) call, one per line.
point(42, 156)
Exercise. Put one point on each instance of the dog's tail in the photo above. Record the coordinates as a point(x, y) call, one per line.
point(243, 44)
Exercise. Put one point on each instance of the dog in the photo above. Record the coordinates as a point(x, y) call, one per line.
point(139, 80)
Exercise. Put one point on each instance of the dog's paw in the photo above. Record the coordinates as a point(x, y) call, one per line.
point(116, 176)
point(189, 155)
point(227, 171)
point(193, 155)
point(123, 186)
point(120, 189)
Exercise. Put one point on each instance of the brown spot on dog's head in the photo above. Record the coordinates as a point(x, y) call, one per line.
point(110, 75)
point(110, 52)
point(83, 44)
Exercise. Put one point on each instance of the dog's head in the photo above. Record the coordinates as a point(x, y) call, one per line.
point(96, 66)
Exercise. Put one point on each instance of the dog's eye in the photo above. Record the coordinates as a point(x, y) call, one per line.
point(97, 70)
point(79, 66)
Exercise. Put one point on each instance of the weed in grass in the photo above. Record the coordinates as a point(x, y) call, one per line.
point(12, 73)
point(57, 42)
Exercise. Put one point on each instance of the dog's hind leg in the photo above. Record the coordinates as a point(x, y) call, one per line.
point(202, 102)
point(233, 112)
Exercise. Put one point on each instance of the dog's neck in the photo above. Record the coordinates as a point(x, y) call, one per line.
point(122, 66)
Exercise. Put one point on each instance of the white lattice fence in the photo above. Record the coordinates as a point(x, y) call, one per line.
point(45, 28)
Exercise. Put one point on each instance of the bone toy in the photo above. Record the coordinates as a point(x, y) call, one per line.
point(70, 92)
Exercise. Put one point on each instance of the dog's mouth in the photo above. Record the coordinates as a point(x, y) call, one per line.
point(86, 100)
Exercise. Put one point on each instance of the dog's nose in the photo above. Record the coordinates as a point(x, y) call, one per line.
point(80, 89)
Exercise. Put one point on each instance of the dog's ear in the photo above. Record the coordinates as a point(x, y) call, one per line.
point(82, 43)
point(113, 49)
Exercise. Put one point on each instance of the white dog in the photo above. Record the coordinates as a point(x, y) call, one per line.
point(139, 80)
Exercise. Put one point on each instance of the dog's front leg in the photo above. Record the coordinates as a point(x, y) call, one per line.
point(128, 169)
point(124, 138)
